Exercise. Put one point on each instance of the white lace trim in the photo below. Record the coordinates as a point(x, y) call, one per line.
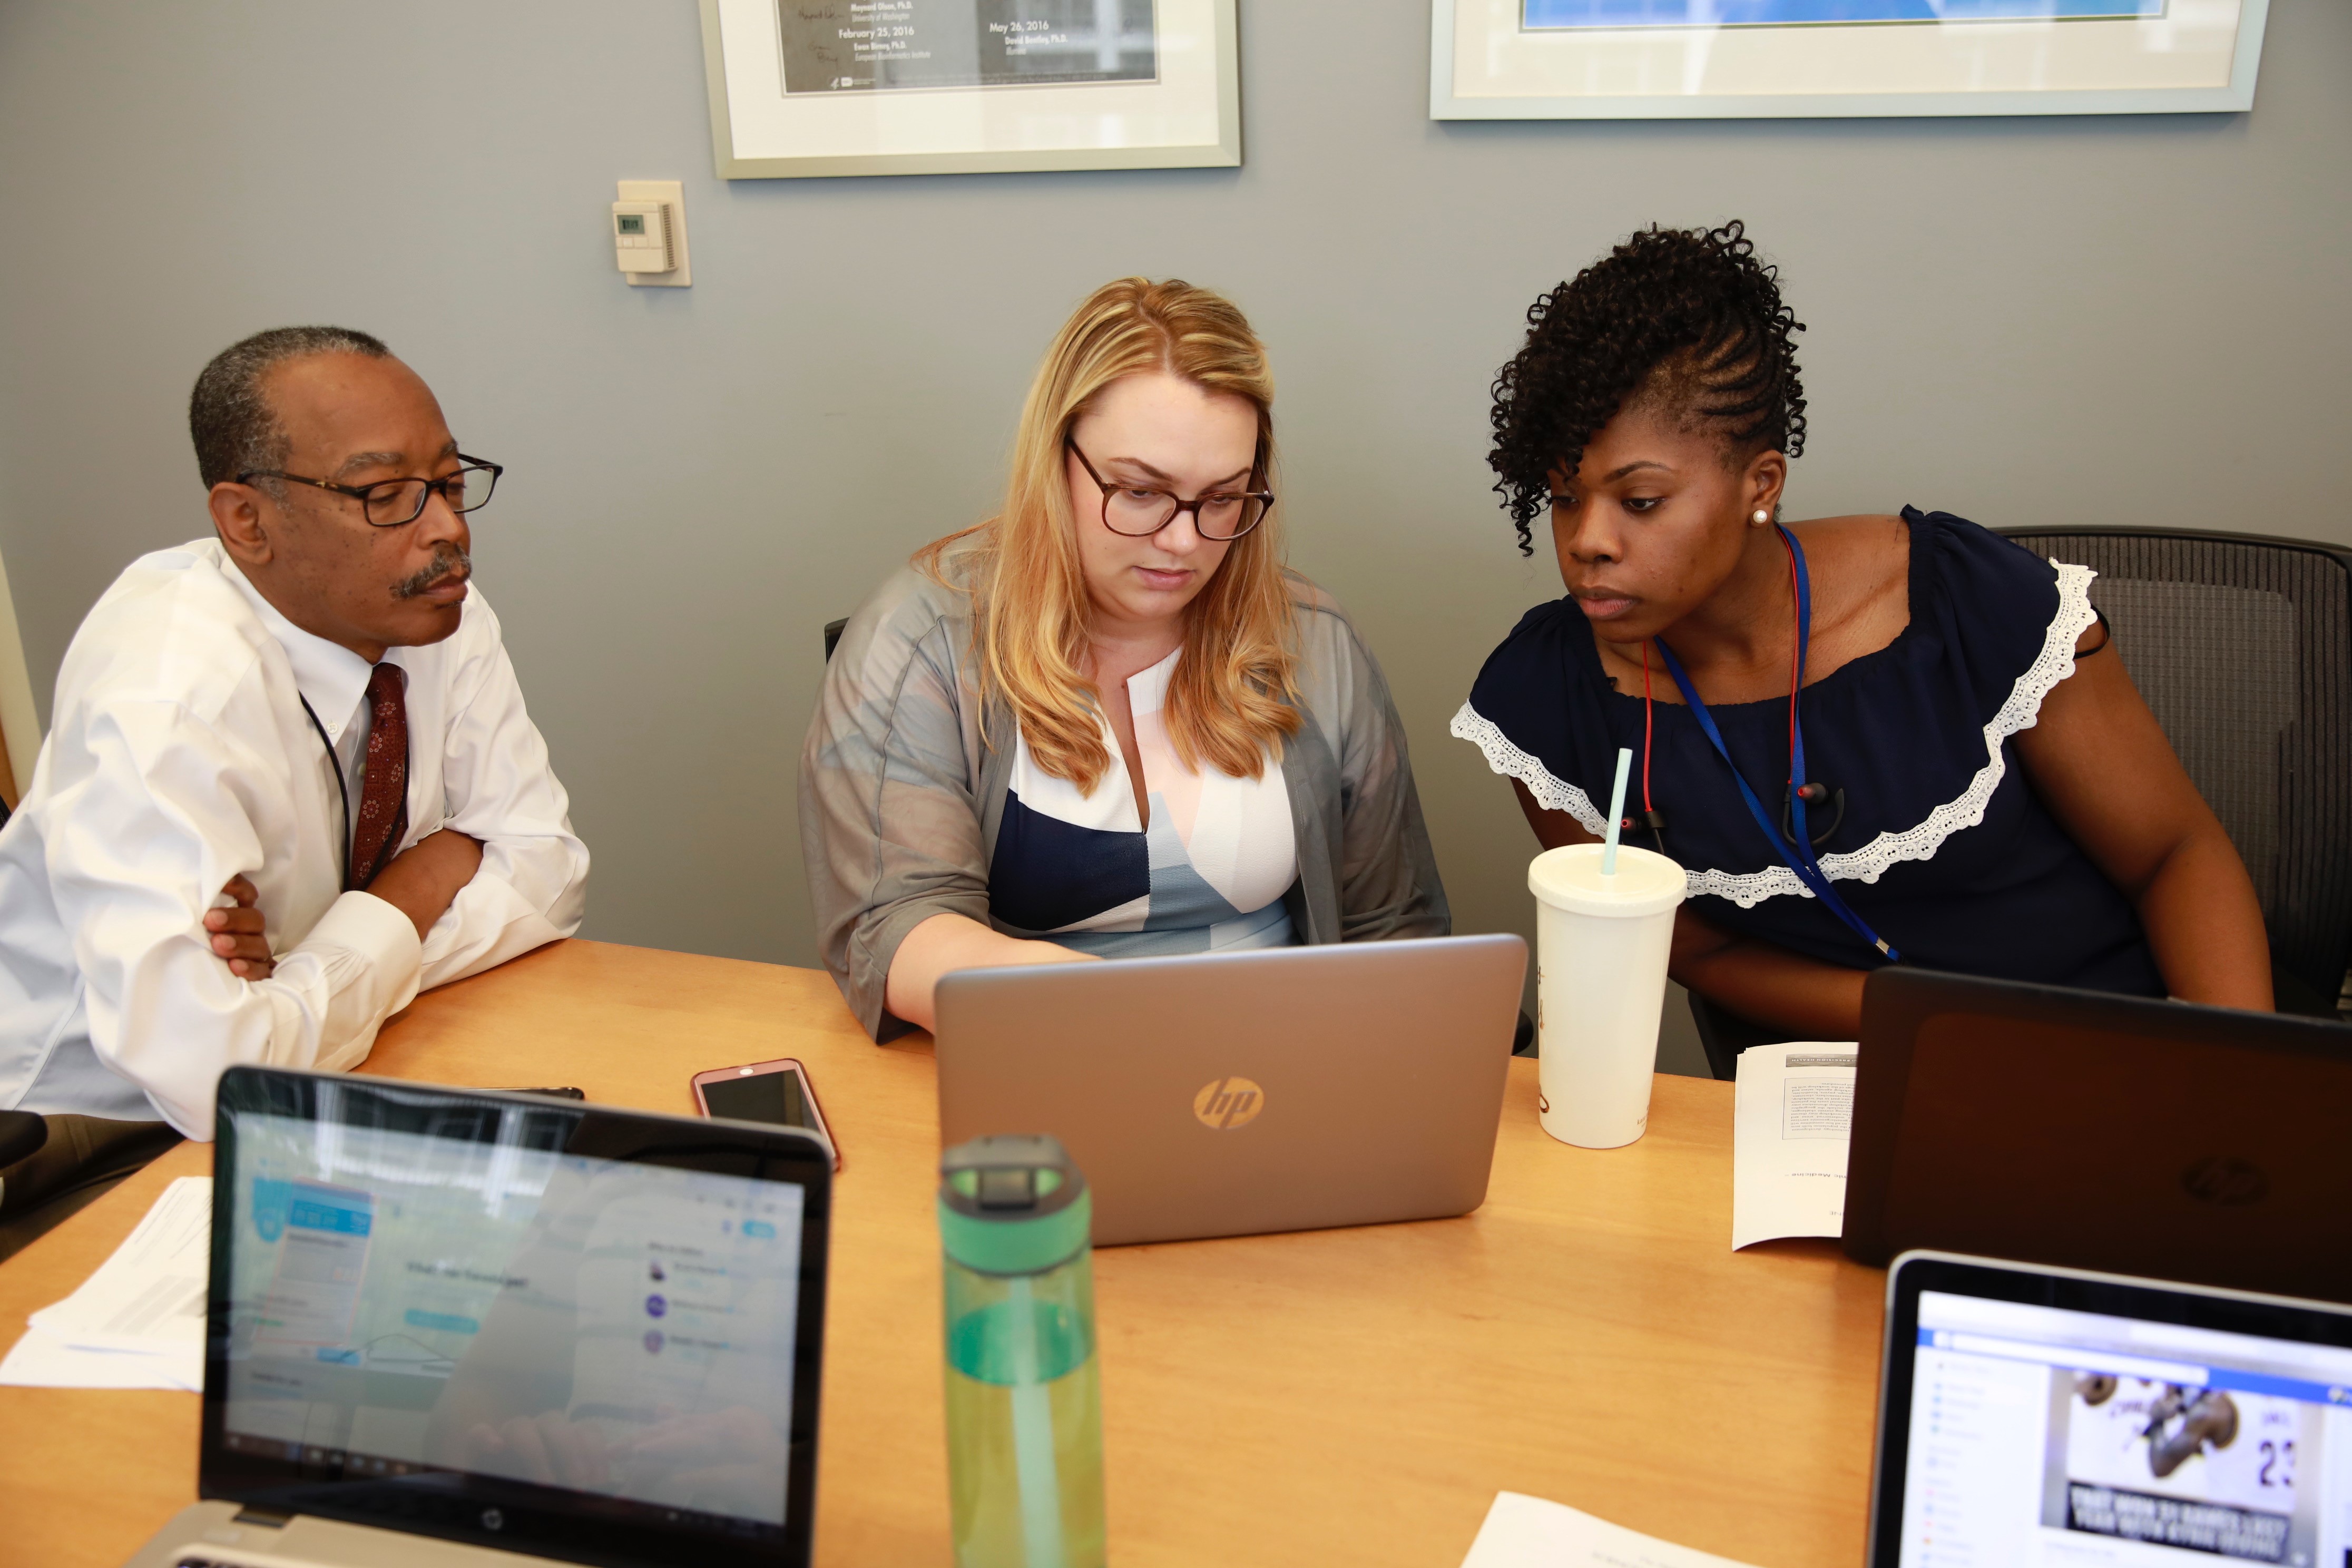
point(2053, 663)
point(1504, 758)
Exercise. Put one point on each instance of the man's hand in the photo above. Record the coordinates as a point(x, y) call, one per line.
point(425, 878)
point(238, 934)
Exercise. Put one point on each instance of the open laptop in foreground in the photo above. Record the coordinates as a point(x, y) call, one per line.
point(2100, 1131)
point(2032, 1416)
point(1228, 1094)
point(453, 1328)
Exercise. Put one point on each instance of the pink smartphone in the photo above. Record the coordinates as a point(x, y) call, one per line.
point(778, 1092)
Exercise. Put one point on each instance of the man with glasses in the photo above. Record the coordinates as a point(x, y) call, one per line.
point(288, 780)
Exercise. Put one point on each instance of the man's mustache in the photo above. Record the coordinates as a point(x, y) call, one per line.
point(446, 563)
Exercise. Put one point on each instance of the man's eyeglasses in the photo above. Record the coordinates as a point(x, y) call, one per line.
point(1139, 512)
point(392, 503)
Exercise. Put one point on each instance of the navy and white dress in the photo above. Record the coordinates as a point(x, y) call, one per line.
point(1944, 850)
point(1208, 872)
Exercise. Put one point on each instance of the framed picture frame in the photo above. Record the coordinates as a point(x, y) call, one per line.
point(817, 89)
point(1685, 59)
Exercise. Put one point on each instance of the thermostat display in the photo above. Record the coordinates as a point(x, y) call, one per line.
point(641, 237)
point(649, 234)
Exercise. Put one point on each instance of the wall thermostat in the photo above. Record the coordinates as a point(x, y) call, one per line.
point(649, 233)
point(641, 237)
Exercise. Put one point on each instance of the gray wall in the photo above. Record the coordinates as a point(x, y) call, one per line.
point(2022, 320)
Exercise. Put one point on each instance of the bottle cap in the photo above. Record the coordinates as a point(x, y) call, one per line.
point(1013, 1204)
point(1570, 878)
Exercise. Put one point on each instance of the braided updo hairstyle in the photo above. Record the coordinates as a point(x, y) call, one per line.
point(1686, 321)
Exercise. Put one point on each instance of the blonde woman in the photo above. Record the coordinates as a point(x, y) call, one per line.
point(1107, 722)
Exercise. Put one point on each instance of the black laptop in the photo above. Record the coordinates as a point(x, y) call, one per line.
point(2040, 1418)
point(455, 1327)
point(2097, 1131)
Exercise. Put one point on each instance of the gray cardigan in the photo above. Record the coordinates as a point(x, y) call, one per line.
point(902, 797)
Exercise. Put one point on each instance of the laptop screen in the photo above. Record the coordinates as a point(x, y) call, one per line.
point(2042, 1433)
point(428, 1296)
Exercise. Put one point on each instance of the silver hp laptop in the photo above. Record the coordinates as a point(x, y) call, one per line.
point(2033, 1417)
point(453, 1328)
point(1226, 1094)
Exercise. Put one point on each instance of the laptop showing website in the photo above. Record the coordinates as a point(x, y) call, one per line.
point(2033, 1417)
point(550, 1330)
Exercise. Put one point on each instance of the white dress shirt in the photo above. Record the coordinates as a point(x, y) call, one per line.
point(179, 755)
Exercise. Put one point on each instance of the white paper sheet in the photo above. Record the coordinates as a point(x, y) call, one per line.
point(44, 1360)
point(1792, 1113)
point(1524, 1531)
point(150, 1295)
point(139, 1321)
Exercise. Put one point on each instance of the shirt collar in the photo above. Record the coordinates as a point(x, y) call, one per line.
point(1147, 689)
point(331, 677)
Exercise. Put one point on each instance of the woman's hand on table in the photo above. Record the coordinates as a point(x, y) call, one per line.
point(947, 942)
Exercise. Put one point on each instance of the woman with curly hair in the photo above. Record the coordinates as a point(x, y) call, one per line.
point(1866, 739)
point(1107, 722)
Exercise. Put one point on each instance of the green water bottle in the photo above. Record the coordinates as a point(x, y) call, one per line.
point(1025, 1399)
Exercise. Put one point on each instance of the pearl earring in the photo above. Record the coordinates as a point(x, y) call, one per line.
point(1760, 517)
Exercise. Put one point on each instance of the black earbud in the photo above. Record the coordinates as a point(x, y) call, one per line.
point(1812, 794)
point(1655, 820)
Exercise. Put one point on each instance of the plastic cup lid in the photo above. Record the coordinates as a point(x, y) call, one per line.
point(1570, 877)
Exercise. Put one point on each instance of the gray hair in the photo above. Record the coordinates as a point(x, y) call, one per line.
point(234, 428)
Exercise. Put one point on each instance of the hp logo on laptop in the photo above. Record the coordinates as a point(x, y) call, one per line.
point(1226, 1104)
point(2226, 1179)
point(493, 1520)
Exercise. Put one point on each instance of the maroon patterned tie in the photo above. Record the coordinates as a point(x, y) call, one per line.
point(383, 796)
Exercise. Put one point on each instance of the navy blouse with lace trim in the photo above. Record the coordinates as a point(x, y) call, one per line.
point(1943, 849)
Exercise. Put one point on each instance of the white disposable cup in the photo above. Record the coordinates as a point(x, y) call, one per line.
point(1601, 987)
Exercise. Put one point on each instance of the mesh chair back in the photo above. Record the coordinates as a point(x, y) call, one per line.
point(2243, 646)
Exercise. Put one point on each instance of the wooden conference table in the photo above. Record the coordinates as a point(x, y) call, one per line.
point(1350, 1396)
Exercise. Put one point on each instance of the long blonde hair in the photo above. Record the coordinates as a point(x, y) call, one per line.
point(1228, 702)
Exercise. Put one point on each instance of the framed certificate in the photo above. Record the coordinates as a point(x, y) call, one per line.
point(1675, 59)
point(817, 88)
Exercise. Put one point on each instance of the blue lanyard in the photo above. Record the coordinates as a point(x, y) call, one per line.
point(1799, 856)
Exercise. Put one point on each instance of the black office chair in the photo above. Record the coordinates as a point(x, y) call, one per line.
point(22, 1133)
point(2241, 644)
point(1723, 1033)
point(833, 637)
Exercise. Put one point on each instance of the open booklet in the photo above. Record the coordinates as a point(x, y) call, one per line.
point(1524, 1531)
point(1793, 1111)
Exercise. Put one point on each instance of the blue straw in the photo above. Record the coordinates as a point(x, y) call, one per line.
point(1616, 811)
